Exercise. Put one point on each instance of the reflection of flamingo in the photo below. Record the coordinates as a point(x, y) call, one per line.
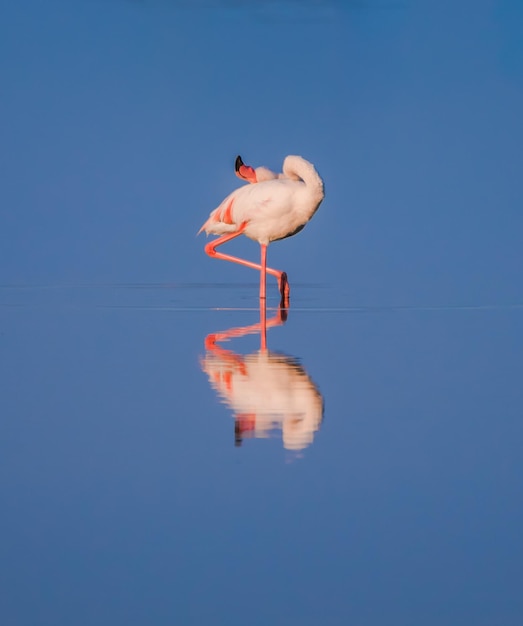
point(266, 390)
point(267, 211)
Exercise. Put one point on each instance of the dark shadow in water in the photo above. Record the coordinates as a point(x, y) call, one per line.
point(267, 391)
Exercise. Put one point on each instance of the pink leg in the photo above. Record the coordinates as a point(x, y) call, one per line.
point(283, 284)
point(263, 273)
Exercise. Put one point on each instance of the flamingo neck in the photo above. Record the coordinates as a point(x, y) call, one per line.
point(296, 167)
point(264, 173)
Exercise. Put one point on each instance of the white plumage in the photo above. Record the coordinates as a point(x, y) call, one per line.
point(271, 209)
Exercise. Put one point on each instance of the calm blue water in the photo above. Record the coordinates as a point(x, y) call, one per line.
point(126, 500)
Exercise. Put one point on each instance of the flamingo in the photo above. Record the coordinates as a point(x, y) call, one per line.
point(267, 211)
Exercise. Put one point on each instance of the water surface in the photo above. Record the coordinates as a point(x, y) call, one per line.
point(126, 498)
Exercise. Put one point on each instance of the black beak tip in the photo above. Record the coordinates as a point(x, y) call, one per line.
point(238, 163)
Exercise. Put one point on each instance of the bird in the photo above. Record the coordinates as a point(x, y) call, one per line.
point(267, 211)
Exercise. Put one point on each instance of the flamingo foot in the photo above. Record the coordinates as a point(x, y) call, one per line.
point(283, 311)
point(285, 289)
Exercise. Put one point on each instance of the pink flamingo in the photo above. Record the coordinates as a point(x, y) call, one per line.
point(267, 211)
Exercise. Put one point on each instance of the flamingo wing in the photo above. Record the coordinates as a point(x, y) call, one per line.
point(268, 204)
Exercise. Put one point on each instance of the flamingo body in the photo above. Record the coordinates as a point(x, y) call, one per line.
point(270, 210)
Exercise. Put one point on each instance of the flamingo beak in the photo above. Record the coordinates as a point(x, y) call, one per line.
point(245, 172)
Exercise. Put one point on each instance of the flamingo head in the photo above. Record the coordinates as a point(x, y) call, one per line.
point(245, 172)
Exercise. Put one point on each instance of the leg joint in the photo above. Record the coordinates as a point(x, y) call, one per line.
point(210, 249)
